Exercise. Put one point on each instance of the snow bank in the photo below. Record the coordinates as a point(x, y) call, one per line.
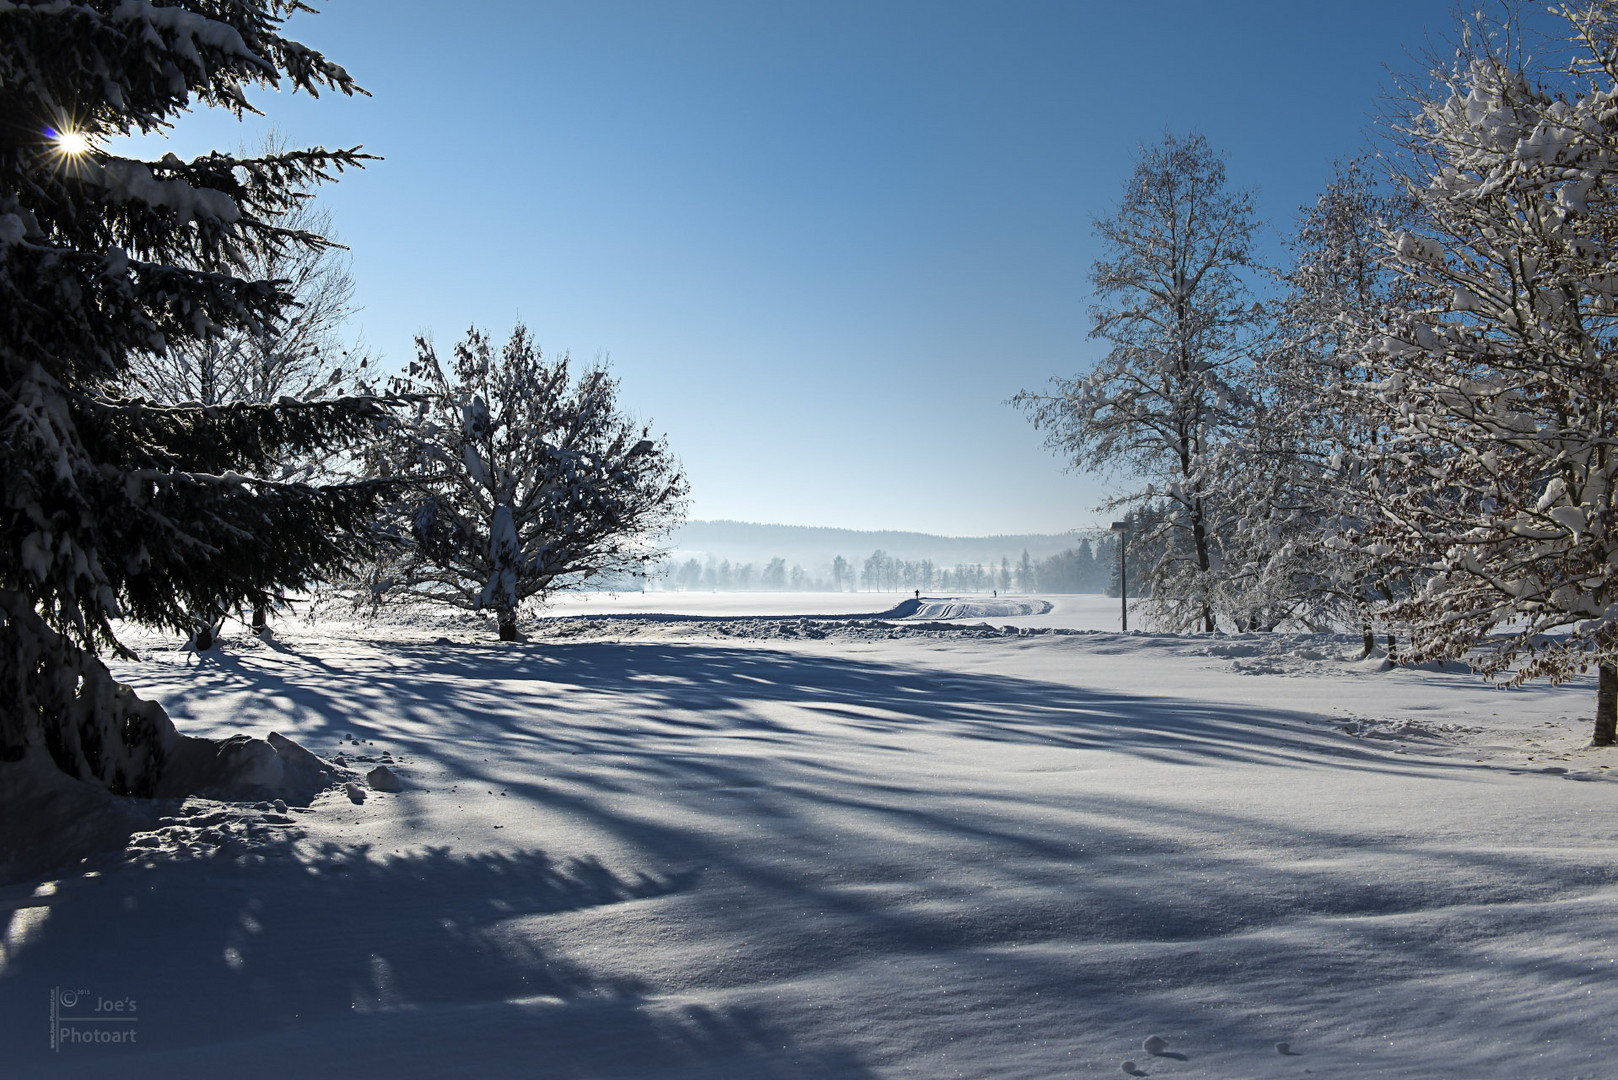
point(243, 768)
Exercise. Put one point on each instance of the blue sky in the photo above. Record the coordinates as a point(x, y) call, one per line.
point(821, 242)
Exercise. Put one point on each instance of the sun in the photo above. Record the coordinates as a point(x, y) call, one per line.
point(72, 143)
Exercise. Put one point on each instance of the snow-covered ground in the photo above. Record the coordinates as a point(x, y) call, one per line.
point(731, 846)
point(721, 604)
point(1073, 612)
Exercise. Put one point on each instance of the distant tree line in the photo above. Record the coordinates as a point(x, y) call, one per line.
point(725, 576)
point(1089, 567)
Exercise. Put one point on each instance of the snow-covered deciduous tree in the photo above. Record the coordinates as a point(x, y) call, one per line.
point(1294, 475)
point(774, 575)
point(526, 480)
point(1172, 302)
point(302, 355)
point(1501, 389)
point(877, 570)
point(842, 571)
point(118, 508)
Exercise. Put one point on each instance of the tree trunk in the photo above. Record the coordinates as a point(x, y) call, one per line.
point(204, 640)
point(1606, 730)
point(1367, 632)
point(1200, 536)
point(1387, 594)
point(508, 626)
point(261, 617)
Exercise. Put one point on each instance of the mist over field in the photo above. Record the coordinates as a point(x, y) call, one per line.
point(741, 541)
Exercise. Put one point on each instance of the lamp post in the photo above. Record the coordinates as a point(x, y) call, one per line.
point(1122, 529)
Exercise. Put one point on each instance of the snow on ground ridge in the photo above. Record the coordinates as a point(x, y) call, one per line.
point(978, 609)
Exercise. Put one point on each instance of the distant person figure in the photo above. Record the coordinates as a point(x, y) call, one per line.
point(918, 594)
point(997, 594)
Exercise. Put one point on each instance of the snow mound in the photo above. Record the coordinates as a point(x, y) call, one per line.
point(1396, 728)
point(1442, 667)
point(1297, 646)
point(49, 819)
point(1285, 654)
point(976, 609)
point(1305, 654)
point(244, 769)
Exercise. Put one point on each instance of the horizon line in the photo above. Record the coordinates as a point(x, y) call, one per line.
point(1075, 531)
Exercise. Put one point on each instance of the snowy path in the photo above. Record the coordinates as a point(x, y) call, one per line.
point(675, 854)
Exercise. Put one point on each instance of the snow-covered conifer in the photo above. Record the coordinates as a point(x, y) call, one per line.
point(1501, 389)
point(116, 507)
point(525, 480)
point(301, 355)
point(1172, 302)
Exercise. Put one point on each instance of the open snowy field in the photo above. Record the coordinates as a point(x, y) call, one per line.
point(720, 604)
point(733, 846)
point(1074, 612)
point(1083, 611)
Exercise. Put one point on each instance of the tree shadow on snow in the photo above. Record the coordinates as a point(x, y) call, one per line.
point(651, 711)
point(339, 961)
point(698, 689)
point(604, 734)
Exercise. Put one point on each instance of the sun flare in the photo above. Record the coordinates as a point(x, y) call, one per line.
point(72, 143)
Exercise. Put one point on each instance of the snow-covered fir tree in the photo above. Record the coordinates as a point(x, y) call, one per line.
point(304, 354)
point(1173, 305)
point(1501, 390)
point(124, 508)
point(1143, 551)
point(526, 480)
point(1025, 573)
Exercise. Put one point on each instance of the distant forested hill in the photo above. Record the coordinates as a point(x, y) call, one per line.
point(815, 548)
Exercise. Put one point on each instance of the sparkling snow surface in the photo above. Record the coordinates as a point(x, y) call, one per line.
point(717, 845)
